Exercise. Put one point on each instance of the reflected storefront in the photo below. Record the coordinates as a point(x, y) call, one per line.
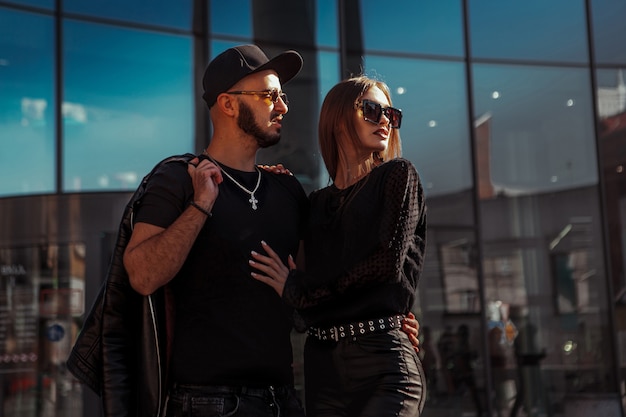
point(519, 136)
point(41, 302)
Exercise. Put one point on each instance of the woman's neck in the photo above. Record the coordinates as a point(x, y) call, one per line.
point(349, 175)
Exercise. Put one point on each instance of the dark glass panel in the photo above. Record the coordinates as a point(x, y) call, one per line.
point(609, 31)
point(48, 4)
point(328, 73)
point(175, 14)
point(27, 147)
point(327, 23)
point(432, 96)
point(543, 264)
point(425, 27)
point(539, 127)
point(128, 104)
point(530, 30)
point(232, 18)
point(611, 96)
point(42, 301)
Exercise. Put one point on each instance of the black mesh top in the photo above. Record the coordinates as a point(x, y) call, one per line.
point(364, 248)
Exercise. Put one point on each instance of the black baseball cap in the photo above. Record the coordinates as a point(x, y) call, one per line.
point(226, 69)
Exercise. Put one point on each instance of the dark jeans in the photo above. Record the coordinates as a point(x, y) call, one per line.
point(221, 401)
point(372, 375)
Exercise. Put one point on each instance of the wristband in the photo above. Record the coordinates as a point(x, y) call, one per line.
point(202, 210)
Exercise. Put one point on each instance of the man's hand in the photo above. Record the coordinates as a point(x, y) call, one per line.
point(205, 177)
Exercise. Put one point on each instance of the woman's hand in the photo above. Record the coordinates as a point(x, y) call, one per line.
point(274, 270)
point(411, 327)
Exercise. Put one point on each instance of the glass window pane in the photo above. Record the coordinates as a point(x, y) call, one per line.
point(538, 122)
point(544, 279)
point(449, 312)
point(328, 72)
point(530, 30)
point(42, 303)
point(611, 96)
point(327, 23)
point(27, 147)
point(128, 102)
point(434, 125)
point(609, 31)
point(426, 27)
point(48, 4)
point(176, 14)
point(231, 18)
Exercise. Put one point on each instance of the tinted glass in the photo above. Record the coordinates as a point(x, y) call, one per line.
point(611, 97)
point(27, 146)
point(539, 122)
point(327, 72)
point(327, 23)
point(530, 30)
point(231, 18)
point(128, 104)
point(609, 31)
point(49, 4)
point(432, 97)
point(328, 76)
point(426, 27)
point(611, 94)
point(544, 279)
point(152, 12)
point(41, 310)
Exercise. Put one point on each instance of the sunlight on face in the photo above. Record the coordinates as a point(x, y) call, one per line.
point(373, 137)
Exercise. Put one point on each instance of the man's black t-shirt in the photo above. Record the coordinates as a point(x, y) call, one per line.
point(230, 329)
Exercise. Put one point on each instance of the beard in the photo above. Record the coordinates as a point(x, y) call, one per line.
point(248, 124)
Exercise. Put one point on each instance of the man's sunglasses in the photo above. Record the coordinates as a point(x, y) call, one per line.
point(372, 112)
point(273, 95)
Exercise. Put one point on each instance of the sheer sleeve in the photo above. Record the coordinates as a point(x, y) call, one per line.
point(399, 253)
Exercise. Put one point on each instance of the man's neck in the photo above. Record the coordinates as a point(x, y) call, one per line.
point(235, 156)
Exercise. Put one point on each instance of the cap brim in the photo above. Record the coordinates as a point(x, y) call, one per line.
point(287, 65)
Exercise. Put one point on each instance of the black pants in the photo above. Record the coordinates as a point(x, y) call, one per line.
point(372, 375)
point(222, 401)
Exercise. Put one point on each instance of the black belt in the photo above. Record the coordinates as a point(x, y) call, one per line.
point(264, 392)
point(358, 328)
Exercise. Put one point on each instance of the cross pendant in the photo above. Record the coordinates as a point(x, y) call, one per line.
point(253, 201)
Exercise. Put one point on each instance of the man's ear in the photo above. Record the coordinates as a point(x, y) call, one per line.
point(226, 104)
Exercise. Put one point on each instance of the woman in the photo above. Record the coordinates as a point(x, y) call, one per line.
point(364, 254)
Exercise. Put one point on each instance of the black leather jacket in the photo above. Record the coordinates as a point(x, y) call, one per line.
point(122, 350)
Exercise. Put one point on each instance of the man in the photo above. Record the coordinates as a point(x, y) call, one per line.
point(231, 350)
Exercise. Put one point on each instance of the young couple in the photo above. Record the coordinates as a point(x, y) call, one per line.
point(212, 253)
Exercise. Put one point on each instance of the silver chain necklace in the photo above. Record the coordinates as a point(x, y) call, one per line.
point(253, 201)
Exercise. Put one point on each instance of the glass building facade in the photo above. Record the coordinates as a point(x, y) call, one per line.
point(514, 115)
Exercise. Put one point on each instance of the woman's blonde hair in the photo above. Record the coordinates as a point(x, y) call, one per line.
point(337, 128)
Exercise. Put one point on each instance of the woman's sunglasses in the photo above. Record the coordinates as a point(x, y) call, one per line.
point(372, 112)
